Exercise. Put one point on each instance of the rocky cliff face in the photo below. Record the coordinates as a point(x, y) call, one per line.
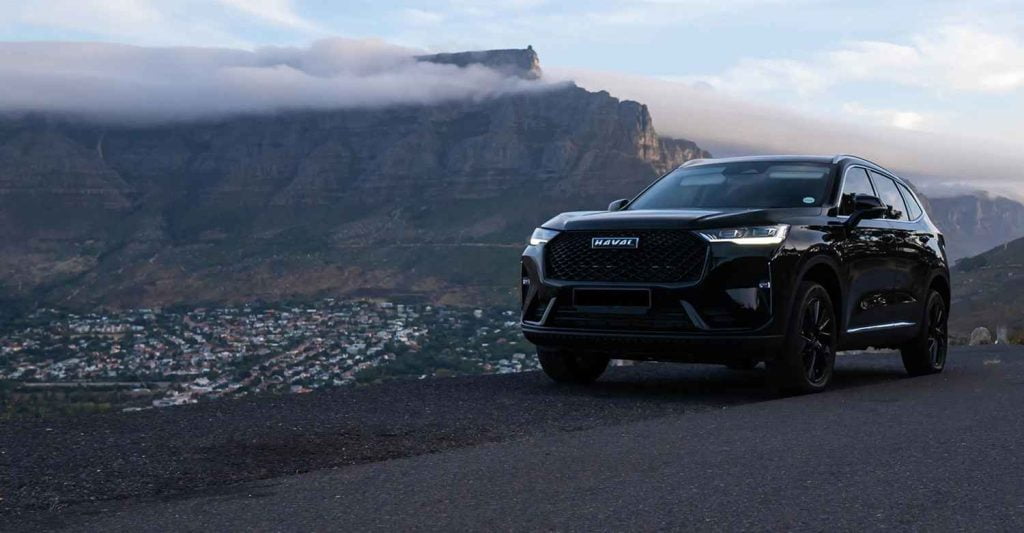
point(976, 223)
point(430, 201)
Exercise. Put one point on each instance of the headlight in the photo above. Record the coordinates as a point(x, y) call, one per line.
point(751, 235)
point(541, 236)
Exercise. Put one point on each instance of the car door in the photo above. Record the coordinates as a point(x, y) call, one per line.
point(865, 251)
point(909, 250)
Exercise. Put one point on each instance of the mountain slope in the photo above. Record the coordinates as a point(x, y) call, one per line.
point(974, 223)
point(430, 201)
point(988, 289)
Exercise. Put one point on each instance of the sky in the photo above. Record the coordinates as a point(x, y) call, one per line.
point(941, 74)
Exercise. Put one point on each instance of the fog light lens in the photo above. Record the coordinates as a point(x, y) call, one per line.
point(744, 298)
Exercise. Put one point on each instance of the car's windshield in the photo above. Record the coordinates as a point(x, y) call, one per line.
point(740, 184)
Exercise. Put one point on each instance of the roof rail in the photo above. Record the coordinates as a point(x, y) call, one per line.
point(840, 156)
point(694, 161)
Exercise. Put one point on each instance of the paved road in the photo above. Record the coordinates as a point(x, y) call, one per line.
point(934, 453)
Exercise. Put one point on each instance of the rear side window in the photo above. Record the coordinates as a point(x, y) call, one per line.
point(890, 195)
point(914, 209)
point(856, 182)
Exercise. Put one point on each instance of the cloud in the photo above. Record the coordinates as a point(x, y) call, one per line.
point(895, 118)
point(948, 58)
point(421, 17)
point(120, 18)
point(764, 75)
point(278, 12)
point(730, 125)
point(129, 82)
point(160, 22)
point(668, 13)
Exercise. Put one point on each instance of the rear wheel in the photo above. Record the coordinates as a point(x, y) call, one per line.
point(566, 366)
point(927, 353)
point(808, 356)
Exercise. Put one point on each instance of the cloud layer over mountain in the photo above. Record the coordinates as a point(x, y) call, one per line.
point(728, 125)
point(130, 82)
point(122, 82)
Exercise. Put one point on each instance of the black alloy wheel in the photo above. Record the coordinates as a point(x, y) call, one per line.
point(927, 353)
point(808, 357)
point(816, 334)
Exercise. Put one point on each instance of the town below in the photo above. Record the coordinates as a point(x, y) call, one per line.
point(54, 362)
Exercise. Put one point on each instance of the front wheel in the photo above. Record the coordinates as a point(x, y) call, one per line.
point(927, 354)
point(808, 355)
point(571, 367)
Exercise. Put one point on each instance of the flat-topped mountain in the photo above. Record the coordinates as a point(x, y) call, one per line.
point(523, 63)
point(424, 201)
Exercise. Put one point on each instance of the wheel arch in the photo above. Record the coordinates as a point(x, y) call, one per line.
point(940, 283)
point(824, 270)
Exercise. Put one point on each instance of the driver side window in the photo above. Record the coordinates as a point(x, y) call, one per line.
point(856, 182)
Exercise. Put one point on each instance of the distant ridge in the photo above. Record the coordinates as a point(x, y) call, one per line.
point(975, 223)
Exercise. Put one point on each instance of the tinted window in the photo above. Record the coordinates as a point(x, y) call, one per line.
point(856, 182)
point(890, 195)
point(913, 208)
point(741, 184)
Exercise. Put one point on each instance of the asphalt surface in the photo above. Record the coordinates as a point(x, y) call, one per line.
point(648, 447)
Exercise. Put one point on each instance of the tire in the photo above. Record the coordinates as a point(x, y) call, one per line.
point(808, 355)
point(571, 367)
point(927, 354)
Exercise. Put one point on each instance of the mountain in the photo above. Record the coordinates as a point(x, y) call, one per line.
point(988, 290)
point(974, 223)
point(520, 63)
point(417, 201)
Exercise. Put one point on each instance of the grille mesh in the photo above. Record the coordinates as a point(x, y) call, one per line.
point(663, 256)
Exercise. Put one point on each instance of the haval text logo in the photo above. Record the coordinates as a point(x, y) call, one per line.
point(615, 242)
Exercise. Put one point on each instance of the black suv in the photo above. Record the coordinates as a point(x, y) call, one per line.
point(780, 259)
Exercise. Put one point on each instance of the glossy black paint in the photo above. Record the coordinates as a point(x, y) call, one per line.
point(878, 272)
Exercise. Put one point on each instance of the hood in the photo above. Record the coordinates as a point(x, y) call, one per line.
point(673, 218)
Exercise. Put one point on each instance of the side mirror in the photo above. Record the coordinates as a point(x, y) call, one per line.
point(617, 205)
point(866, 206)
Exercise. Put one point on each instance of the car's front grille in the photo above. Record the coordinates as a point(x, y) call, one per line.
point(661, 256)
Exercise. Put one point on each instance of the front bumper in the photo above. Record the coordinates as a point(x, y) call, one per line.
point(693, 348)
point(728, 314)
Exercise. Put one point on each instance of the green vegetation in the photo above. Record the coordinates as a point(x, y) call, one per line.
point(17, 401)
